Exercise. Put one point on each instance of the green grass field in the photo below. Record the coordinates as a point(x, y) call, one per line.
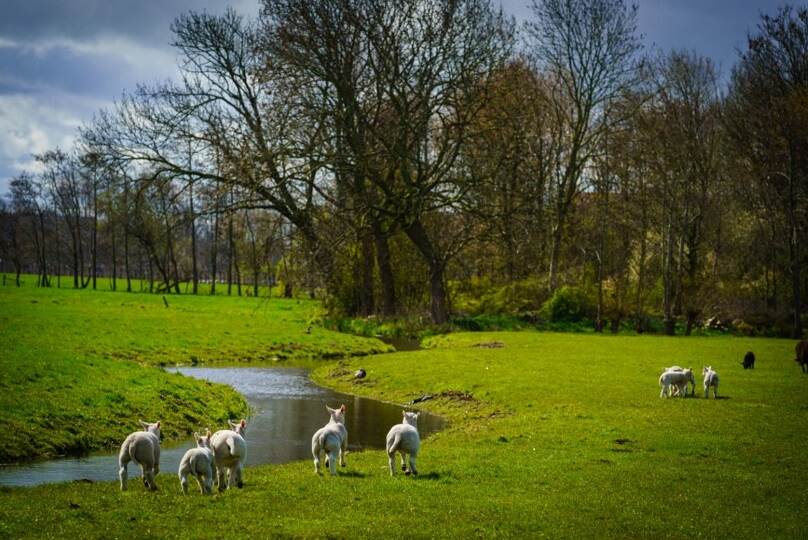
point(550, 435)
point(77, 368)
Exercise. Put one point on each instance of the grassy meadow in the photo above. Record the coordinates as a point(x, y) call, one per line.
point(550, 435)
point(77, 367)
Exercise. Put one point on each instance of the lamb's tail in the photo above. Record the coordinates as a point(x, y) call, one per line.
point(231, 446)
point(392, 446)
point(123, 454)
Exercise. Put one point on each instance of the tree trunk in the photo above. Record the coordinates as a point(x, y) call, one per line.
point(214, 254)
point(555, 253)
point(94, 258)
point(126, 236)
point(230, 255)
point(114, 257)
point(796, 270)
point(366, 300)
point(389, 301)
point(194, 266)
point(667, 278)
point(439, 309)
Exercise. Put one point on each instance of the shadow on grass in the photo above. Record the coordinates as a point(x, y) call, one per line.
point(429, 476)
point(352, 474)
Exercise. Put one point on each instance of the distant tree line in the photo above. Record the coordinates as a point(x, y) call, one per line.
point(401, 157)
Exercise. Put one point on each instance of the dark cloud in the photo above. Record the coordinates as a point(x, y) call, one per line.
point(139, 20)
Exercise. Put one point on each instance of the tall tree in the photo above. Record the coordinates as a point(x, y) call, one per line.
point(769, 122)
point(589, 50)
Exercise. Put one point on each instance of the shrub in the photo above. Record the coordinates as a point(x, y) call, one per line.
point(567, 305)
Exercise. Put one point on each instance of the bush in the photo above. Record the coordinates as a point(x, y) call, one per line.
point(567, 305)
point(481, 323)
point(481, 297)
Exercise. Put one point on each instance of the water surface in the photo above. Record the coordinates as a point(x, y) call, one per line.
point(287, 409)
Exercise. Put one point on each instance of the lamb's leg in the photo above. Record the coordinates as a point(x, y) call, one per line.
point(152, 474)
point(706, 391)
point(143, 476)
point(239, 470)
point(123, 472)
point(220, 477)
point(332, 462)
point(403, 461)
point(391, 462)
point(200, 481)
point(342, 450)
point(413, 467)
point(156, 466)
point(316, 453)
point(184, 482)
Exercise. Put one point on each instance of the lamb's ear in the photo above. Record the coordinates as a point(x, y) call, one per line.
point(144, 425)
point(231, 423)
point(157, 425)
point(404, 413)
point(342, 408)
point(330, 410)
point(243, 423)
point(196, 436)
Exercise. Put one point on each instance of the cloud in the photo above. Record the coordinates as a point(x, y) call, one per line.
point(62, 61)
point(105, 64)
point(31, 126)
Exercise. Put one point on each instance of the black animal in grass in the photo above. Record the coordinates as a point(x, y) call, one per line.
point(802, 355)
point(749, 360)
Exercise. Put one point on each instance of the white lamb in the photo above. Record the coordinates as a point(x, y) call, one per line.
point(331, 439)
point(229, 453)
point(404, 439)
point(670, 380)
point(199, 463)
point(710, 379)
point(681, 390)
point(142, 447)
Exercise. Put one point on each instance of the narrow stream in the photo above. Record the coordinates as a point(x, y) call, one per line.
point(287, 409)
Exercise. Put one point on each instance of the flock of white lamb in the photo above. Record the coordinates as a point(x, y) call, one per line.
point(674, 381)
point(222, 454)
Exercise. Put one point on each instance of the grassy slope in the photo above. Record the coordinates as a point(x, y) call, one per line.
point(65, 384)
point(545, 448)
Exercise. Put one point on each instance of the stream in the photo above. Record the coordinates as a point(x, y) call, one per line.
point(287, 409)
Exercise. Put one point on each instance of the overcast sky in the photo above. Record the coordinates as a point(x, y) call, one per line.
point(60, 60)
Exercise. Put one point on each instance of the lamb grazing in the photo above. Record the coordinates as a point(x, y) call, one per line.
point(749, 360)
point(710, 379)
point(676, 381)
point(404, 439)
point(802, 355)
point(142, 447)
point(331, 439)
point(229, 453)
point(199, 463)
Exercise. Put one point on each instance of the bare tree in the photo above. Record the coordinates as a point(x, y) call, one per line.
point(588, 48)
